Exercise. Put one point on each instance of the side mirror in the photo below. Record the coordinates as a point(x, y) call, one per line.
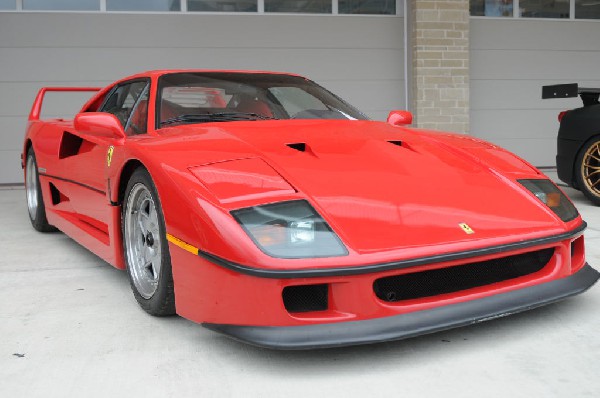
point(99, 124)
point(400, 118)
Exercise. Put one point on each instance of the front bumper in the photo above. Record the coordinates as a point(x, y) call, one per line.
point(411, 324)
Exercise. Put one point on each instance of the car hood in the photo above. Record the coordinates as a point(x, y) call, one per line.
point(382, 187)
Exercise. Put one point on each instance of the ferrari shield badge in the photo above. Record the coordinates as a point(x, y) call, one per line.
point(109, 154)
point(467, 230)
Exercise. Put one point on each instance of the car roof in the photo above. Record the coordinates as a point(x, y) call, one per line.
point(160, 72)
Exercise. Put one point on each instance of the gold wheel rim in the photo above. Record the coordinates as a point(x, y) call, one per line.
point(590, 168)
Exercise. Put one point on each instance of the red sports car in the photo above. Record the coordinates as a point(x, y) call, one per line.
point(265, 207)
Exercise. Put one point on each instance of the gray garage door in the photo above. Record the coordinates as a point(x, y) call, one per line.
point(510, 62)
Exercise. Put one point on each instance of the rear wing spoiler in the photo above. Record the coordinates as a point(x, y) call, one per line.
point(36, 109)
point(588, 95)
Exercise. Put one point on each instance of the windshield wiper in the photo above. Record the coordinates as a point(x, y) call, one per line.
point(215, 117)
point(243, 115)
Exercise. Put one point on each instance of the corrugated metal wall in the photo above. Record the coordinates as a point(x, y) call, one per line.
point(510, 62)
point(361, 58)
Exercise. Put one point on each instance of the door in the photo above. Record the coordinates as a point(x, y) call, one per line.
point(89, 165)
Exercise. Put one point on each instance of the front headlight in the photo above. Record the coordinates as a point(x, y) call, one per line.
point(551, 196)
point(290, 230)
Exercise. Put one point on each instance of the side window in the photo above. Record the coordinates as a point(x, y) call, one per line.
point(123, 100)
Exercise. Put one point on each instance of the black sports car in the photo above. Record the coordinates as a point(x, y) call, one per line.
point(578, 155)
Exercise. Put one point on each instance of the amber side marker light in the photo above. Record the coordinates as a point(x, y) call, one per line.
point(553, 200)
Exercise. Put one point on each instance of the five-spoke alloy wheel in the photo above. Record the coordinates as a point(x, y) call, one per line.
point(145, 246)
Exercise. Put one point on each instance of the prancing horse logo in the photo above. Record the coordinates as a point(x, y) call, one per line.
point(109, 154)
point(465, 227)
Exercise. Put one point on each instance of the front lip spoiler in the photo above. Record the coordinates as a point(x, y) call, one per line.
point(403, 326)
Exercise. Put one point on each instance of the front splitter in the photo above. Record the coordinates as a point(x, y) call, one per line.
point(417, 323)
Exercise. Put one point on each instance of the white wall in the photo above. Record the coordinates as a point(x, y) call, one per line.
point(359, 58)
point(511, 59)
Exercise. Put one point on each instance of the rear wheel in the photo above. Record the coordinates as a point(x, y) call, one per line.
point(588, 170)
point(145, 246)
point(33, 192)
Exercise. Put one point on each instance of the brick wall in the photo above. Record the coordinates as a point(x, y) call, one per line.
point(440, 64)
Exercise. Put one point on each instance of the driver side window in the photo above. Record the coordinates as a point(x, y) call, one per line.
point(127, 102)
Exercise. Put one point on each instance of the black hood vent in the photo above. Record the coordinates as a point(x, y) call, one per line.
point(302, 147)
point(299, 146)
point(402, 144)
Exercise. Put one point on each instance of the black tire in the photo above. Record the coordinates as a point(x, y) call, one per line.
point(587, 170)
point(33, 194)
point(152, 289)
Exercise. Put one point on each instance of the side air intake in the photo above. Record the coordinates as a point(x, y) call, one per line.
point(57, 196)
point(306, 298)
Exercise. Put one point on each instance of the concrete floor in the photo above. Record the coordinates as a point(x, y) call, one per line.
point(70, 327)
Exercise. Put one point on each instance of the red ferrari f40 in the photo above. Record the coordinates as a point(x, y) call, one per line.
point(266, 208)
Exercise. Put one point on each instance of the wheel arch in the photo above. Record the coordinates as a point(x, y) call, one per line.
point(118, 184)
point(26, 145)
point(594, 137)
point(126, 172)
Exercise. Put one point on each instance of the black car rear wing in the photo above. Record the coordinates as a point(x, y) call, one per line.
point(589, 96)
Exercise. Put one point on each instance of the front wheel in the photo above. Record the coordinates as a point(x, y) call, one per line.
point(587, 168)
point(145, 246)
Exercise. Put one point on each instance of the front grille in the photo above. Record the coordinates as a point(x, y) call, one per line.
point(460, 277)
point(306, 298)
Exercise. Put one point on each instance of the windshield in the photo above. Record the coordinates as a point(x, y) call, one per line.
point(224, 97)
